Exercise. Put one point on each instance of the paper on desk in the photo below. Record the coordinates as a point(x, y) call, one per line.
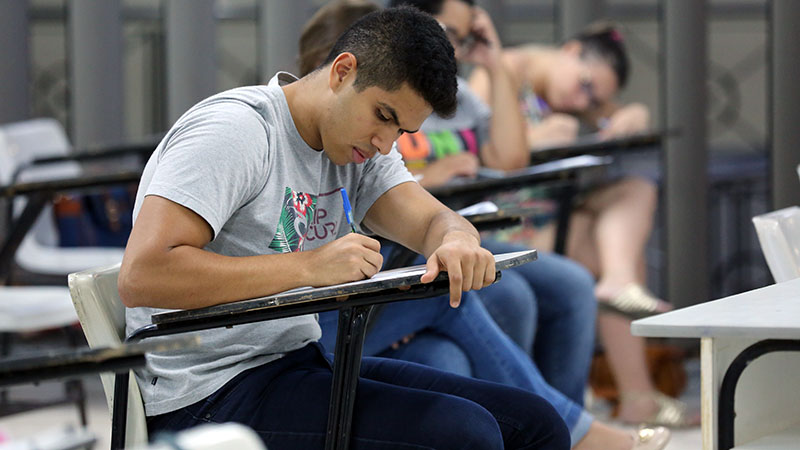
point(573, 162)
point(401, 272)
point(479, 208)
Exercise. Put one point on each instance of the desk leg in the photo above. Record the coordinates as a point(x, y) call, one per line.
point(727, 392)
point(564, 198)
point(347, 362)
point(17, 231)
point(767, 399)
point(119, 414)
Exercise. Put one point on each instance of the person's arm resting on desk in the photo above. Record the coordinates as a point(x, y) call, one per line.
point(210, 171)
point(408, 214)
point(165, 265)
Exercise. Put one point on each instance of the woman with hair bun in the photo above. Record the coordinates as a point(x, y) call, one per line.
point(561, 91)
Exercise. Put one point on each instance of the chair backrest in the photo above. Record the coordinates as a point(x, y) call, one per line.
point(102, 316)
point(779, 235)
point(25, 141)
point(21, 143)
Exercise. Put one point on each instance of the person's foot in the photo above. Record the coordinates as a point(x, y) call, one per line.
point(634, 408)
point(605, 437)
point(654, 408)
point(650, 438)
point(631, 300)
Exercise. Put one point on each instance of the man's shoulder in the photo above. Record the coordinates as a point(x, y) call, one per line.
point(253, 96)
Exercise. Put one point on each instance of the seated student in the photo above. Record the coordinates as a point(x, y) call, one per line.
point(510, 301)
point(609, 228)
point(488, 351)
point(560, 323)
point(222, 214)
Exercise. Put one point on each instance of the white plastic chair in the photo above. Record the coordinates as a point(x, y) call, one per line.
point(26, 309)
point(21, 143)
point(102, 316)
point(779, 235)
point(224, 436)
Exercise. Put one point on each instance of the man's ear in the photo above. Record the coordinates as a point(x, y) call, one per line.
point(572, 47)
point(343, 70)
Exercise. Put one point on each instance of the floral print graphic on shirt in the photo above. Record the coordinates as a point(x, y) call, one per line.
point(296, 214)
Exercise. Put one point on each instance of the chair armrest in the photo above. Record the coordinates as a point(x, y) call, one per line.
point(66, 184)
point(143, 148)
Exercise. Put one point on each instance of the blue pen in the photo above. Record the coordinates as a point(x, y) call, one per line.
point(348, 211)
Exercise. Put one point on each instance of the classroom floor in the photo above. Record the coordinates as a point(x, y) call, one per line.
point(682, 439)
point(56, 418)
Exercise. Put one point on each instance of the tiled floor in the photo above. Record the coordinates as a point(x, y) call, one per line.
point(682, 439)
point(36, 422)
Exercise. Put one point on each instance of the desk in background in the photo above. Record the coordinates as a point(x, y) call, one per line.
point(561, 174)
point(594, 144)
point(734, 333)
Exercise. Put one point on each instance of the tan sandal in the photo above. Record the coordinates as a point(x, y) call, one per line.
point(650, 438)
point(671, 412)
point(633, 301)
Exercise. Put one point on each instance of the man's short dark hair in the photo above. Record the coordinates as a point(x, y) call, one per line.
point(426, 6)
point(402, 45)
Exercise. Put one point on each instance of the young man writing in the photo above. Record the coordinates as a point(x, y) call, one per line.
point(224, 211)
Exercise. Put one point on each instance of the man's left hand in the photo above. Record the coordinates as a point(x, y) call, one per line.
point(468, 265)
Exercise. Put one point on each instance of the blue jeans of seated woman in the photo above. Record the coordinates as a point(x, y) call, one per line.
point(566, 311)
point(555, 294)
point(492, 355)
point(398, 406)
point(547, 307)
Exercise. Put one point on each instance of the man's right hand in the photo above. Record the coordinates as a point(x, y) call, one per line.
point(350, 258)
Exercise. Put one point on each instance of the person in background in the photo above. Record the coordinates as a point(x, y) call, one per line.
point(558, 89)
point(489, 352)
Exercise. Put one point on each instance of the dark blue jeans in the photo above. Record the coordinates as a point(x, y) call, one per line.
point(399, 405)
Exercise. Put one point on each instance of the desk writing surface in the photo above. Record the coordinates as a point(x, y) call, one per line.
point(772, 312)
point(72, 183)
point(83, 360)
point(490, 180)
point(389, 279)
point(144, 146)
point(595, 143)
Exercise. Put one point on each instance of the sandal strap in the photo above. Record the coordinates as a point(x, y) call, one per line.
point(634, 300)
point(671, 412)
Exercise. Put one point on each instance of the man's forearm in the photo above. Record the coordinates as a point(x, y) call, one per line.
point(186, 277)
point(447, 224)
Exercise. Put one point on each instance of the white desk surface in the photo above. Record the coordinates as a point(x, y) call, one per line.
point(772, 312)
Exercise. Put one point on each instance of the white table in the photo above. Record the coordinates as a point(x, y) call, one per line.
point(767, 396)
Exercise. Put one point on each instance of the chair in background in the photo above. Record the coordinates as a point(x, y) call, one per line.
point(20, 144)
point(779, 235)
point(102, 316)
point(26, 309)
point(224, 436)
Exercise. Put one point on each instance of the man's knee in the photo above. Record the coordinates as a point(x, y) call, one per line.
point(462, 424)
point(546, 428)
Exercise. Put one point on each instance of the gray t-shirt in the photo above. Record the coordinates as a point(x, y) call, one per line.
point(237, 160)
